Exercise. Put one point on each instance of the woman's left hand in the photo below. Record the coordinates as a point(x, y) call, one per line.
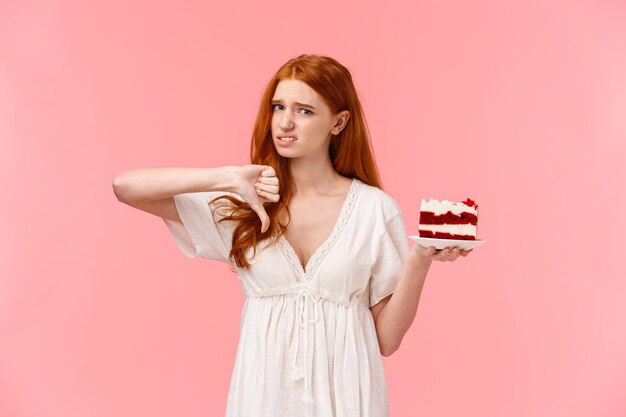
point(449, 254)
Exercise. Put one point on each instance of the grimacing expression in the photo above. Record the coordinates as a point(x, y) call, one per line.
point(302, 123)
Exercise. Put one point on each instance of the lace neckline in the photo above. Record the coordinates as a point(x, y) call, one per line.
point(319, 253)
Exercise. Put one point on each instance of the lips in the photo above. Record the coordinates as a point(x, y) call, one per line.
point(286, 141)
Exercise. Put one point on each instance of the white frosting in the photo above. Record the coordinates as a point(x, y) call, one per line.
point(442, 207)
point(454, 229)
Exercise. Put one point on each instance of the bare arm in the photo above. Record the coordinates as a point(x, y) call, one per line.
point(152, 189)
point(150, 184)
point(394, 315)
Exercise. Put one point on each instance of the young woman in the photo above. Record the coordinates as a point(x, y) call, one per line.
point(321, 251)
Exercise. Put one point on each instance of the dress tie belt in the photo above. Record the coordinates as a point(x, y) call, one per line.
point(302, 313)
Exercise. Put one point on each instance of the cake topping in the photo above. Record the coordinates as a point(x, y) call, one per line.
point(470, 203)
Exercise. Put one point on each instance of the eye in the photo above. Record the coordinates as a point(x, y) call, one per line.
point(280, 105)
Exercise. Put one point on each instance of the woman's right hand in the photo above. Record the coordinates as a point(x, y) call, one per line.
point(258, 184)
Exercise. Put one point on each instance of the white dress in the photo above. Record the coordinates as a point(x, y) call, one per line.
point(308, 344)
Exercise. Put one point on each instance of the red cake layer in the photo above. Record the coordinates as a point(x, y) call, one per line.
point(439, 235)
point(428, 217)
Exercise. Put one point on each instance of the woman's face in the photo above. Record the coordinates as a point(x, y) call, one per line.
point(301, 113)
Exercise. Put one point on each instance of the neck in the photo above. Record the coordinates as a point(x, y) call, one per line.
point(314, 175)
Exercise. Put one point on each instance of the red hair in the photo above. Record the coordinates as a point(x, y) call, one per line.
point(350, 151)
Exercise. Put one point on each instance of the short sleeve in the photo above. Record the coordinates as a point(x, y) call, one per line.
point(199, 234)
point(392, 251)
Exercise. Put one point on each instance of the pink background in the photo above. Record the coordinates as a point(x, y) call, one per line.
point(518, 105)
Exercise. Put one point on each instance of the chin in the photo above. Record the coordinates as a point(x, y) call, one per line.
point(287, 154)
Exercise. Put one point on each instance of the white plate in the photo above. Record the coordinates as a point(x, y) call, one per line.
point(446, 243)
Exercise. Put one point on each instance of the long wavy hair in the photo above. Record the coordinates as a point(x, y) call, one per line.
point(350, 151)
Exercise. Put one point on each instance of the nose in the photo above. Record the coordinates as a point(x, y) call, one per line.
point(286, 120)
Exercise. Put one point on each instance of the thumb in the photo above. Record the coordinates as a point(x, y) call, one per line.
point(261, 168)
point(260, 211)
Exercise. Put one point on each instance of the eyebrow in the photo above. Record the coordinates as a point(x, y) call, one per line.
point(296, 103)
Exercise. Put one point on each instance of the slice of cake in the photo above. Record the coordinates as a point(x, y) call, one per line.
point(448, 220)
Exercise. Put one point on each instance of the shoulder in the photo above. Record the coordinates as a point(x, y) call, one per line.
point(379, 201)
